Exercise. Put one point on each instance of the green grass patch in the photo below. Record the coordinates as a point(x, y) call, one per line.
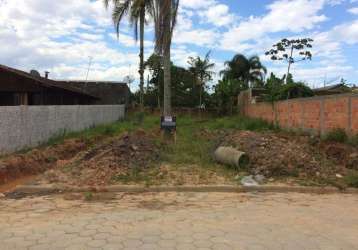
point(88, 196)
point(131, 123)
point(239, 122)
point(194, 148)
point(351, 179)
point(336, 135)
point(353, 140)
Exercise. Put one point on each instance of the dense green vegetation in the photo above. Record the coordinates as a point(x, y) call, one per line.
point(190, 86)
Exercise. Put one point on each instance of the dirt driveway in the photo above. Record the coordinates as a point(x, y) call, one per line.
point(181, 221)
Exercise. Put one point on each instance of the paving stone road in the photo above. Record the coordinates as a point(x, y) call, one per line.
point(181, 221)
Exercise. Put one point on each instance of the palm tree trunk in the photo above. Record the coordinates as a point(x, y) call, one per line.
point(158, 97)
point(167, 83)
point(141, 55)
point(167, 106)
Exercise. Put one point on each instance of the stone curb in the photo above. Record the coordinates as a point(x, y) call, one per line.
point(41, 189)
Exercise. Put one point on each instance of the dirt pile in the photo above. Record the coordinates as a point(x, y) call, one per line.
point(116, 156)
point(277, 155)
point(38, 160)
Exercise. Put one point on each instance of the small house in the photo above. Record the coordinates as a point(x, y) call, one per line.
point(21, 88)
point(332, 90)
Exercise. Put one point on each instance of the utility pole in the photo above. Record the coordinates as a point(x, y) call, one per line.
point(89, 66)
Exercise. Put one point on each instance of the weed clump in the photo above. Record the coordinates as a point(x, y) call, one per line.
point(352, 179)
point(353, 140)
point(336, 135)
point(88, 196)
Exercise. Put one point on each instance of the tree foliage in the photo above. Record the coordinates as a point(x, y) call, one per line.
point(202, 72)
point(278, 89)
point(291, 51)
point(136, 11)
point(184, 88)
point(226, 93)
point(248, 70)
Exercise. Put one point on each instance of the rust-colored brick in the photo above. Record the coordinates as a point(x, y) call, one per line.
point(316, 114)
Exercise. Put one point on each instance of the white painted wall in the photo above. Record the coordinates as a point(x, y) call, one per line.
point(29, 126)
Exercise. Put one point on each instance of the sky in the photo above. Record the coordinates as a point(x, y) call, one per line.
point(64, 36)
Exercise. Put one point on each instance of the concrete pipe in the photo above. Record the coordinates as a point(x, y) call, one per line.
point(231, 156)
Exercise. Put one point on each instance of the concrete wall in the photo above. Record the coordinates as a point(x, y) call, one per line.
point(316, 114)
point(28, 126)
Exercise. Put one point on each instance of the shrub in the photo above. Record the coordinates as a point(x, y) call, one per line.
point(255, 124)
point(354, 140)
point(88, 196)
point(352, 179)
point(336, 135)
point(295, 90)
point(109, 130)
point(139, 118)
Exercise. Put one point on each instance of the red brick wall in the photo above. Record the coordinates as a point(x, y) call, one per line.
point(354, 117)
point(316, 114)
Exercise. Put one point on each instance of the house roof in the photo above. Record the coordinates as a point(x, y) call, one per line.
point(93, 82)
point(330, 88)
point(45, 82)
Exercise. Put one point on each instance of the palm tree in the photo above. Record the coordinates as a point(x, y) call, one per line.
point(249, 70)
point(165, 15)
point(201, 69)
point(136, 11)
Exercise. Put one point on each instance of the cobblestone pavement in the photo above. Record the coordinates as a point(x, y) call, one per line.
point(181, 221)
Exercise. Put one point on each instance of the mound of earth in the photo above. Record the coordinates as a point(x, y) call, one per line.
point(38, 160)
point(116, 156)
point(277, 155)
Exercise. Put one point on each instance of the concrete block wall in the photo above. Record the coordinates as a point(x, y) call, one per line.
point(29, 126)
point(315, 114)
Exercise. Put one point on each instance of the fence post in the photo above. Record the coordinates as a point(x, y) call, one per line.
point(302, 114)
point(322, 117)
point(350, 129)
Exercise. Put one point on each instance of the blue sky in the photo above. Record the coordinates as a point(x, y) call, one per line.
point(60, 36)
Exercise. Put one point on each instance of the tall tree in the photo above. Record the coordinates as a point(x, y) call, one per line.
point(154, 64)
point(165, 16)
point(248, 70)
point(136, 11)
point(183, 85)
point(284, 50)
point(225, 95)
point(201, 69)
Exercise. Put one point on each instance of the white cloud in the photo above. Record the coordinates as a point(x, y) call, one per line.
point(218, 15)
point(347, 32)
point(210, 11)
point(129, 41)
point(197, 4)
point(186, 33)
point(90, 37)
point(199, 37)
point(59, 36)
point(353, 11)
point(293, 16)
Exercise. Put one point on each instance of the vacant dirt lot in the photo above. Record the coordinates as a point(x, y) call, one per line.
point(282, 154)
point(133, 153)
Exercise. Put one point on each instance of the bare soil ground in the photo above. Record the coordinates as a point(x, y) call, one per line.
point(287, 155)
point(108, 159)
point(39, 160)
point(140, 157)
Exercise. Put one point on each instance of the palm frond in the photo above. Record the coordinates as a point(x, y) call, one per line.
point(120, 10)
point(162, 11)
